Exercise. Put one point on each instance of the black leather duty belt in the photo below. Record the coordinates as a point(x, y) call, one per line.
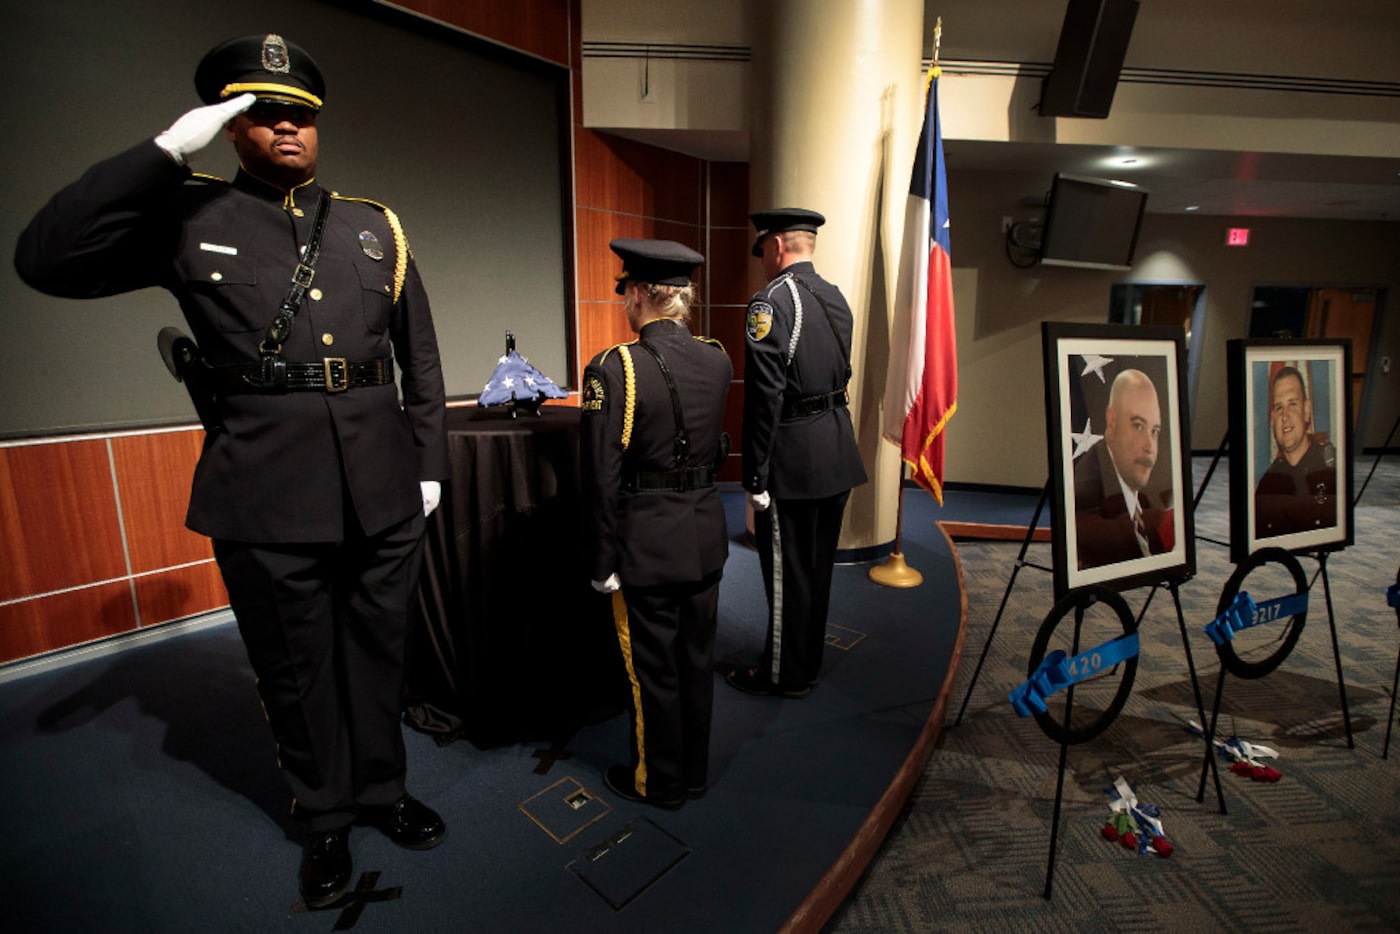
point(811, 405)
point(332, 374)
point(669, 481)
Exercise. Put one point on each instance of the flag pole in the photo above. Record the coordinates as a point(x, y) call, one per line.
point(895, 572)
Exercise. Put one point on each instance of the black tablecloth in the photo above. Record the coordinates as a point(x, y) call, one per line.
point(510, 641)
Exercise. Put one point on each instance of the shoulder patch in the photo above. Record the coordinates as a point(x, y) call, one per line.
point(759, 321)
point(594, 398)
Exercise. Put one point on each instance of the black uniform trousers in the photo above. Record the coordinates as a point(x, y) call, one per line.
point(325, 627)
point(667, 637)
point(796, 541)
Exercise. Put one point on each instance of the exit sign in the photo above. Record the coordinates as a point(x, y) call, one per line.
point(1237, 236)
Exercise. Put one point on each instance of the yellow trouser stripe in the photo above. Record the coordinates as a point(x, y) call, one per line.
point(624, 639)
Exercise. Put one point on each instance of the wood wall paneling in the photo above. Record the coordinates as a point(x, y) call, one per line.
point(729, 195)
point(59, 517)
point(57, 621)
point(153, 478)
point(731, 267)
point(180, 592)
point(540, 27)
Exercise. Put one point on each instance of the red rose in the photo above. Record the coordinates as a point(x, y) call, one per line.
point(1267, 773)
point(1109, 832)
point(1163, 847)
point(1242, 768)
point(1129, 840)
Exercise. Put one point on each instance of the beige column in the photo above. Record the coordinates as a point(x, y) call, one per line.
point(837, 102)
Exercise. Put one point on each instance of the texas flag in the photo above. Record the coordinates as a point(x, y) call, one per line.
point(922, 387)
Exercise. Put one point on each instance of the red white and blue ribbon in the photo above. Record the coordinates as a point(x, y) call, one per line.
point(1135, 825)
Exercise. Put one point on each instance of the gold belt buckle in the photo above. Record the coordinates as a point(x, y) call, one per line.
point(337, 374)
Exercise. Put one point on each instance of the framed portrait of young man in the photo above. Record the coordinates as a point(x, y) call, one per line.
point(1119, 454)
point(1290, 445)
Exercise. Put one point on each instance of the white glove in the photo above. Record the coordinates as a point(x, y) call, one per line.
point(197, 129)
point(432, 495)
point(759, 501)
point(609, 585)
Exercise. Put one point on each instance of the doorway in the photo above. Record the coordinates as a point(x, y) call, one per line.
point(1178, 304)
point(1322, 314)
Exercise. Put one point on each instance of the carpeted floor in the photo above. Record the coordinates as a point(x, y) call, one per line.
point(1318, 850)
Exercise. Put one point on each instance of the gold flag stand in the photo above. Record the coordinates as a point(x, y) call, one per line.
point(895, 572)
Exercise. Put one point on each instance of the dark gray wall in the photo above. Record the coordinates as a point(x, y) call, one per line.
point(462, 141)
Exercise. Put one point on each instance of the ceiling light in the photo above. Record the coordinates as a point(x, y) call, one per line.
point(1193, 207)
point(1121, 183)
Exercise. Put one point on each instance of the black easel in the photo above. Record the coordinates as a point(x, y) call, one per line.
point(1064, 761)
point(1394, 685)
point(1020, 563)
point(1375, 463)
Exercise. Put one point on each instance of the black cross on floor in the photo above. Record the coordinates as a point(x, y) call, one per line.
point(550, 756)
point(352, 904)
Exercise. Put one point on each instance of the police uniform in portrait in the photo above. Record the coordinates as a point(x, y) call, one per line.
point(310, 317)
point(652, 442)
point(800, 457)
point(1298, 497)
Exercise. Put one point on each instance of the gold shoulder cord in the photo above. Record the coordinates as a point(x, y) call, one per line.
point(629, 410)
point(401, 251)
point(713, 342)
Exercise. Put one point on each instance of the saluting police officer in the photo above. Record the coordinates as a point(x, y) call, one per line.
point(799, 448)
point(314, 481)
point(652, 442)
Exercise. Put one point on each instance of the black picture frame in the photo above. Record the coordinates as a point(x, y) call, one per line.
point(1270, 503)
point(1095, 539)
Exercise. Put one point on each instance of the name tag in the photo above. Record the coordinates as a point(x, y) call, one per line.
point(219, 248)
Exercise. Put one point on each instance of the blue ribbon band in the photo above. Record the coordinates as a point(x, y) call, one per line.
point(1058, 671)
point(1245, 613)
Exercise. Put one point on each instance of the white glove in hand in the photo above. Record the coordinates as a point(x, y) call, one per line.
point(609, 585)
point(759, 501)
point(432, 495)
point(197, 129)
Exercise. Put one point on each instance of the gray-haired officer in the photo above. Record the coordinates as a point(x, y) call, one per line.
point(652, 440)
point(314, 481)
point(800, 454)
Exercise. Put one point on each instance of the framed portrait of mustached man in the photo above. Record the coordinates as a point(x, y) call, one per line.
point(1290, 445)
point(1119, 454)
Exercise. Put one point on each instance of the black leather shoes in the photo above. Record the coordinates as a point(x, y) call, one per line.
point(619, 780)
point(325, 868)
point(408, 822)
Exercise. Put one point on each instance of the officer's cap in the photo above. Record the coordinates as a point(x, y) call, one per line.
point(781, 220)
point(276, 70)
point(660, 262)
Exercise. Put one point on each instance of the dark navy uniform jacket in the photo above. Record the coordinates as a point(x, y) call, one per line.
point(792, 350)
point(654, 538)
point(285, 465)
point(1297, 497)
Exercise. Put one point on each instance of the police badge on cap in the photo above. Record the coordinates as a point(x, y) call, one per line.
point(277, 71)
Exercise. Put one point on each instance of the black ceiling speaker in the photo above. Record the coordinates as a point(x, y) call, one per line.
point(1093, 44)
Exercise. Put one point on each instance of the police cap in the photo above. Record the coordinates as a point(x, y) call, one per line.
point(660, 262)
point(781, 220)
point(276, 70)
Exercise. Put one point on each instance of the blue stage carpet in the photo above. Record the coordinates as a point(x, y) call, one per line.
point(141, 796)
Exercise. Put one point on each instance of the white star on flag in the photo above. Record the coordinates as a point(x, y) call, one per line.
point(1084, 440)
point(1093, 363)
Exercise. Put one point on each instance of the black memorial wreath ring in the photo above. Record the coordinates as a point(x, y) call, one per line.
point(1071, 732)
point(1229, 660)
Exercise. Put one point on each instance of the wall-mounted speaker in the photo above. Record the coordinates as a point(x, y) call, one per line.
point(1093, 44)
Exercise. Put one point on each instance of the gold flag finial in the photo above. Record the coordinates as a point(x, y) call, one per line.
point(937, 42)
